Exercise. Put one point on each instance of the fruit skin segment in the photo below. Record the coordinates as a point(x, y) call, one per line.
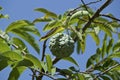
point(61, 45)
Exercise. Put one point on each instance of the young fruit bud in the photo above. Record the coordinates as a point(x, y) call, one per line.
point(61, 45)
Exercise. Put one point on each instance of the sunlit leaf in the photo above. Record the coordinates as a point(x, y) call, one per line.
point(49, 63)
point(23, 25)
point(97, 30)
point(80, 76)
point(53, 71)
point(16, 72)
point(83, 45)
point(13, 56)
point(30, 39)
point(41, 20)
point(4, 46)
point(116, 47)
point(34, 60)
point(8, 58)
point(109, 46)
point(31, 29)
point(46, 12)
point(19, 43)
point(78, 46)
point(44, 66)
point(50, 25)
point(52, 32)
point(18, 24)
point(70, 59)
point(79, 14)
point(115, 24)
point(115, 55)
point(106, 30)
point(95, 37)
point(104, 46)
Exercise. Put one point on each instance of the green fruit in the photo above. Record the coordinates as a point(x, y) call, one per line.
point(61, 45)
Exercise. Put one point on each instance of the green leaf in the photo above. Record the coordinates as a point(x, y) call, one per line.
point(90, 61)
point(52, 32)
point(12, 56)
point(104, 46)
point(4, 16)
point(34, 60)
point(31, 29)
point(61, 79)
point(106, 30)
point(109, 46)
point(41, 20)
point(23, 25)
point(80, 76)
point(95, 37)
point(49, 63)
point(30, 39)
point(50, 25)
point(44, 66)
point(16, 72)
point(66, 72)
point(70, 59)
point(53, 71)
point(97, 30)
point(9, 58)
point(5, 63)
point(46, 12)
point(79, 14)
point(20, 44)
point(115, 55)
point(94, 58)
point(116, 47)
point(4, 46)
point(24, 62)
point(83, 45)
point(78, 46)
point(18, 24)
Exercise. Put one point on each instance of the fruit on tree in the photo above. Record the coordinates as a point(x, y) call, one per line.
point(61, 45)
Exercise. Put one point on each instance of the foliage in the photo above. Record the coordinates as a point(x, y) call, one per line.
point(77, 23)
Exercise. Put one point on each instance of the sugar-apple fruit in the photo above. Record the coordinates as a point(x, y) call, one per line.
point(61, 45)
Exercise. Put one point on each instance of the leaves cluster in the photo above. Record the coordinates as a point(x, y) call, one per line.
point(101, 66)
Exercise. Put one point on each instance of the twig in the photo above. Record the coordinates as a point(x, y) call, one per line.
point(107, 70)
point(44, 48)
point(85, 7)
point(96, 15)
point(34, 73)
point(46, 74)
point(76, 9)
point(56, 60)
point(110, 17)
point(91, 69)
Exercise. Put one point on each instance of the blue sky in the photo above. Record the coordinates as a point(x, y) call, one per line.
point(24, 9)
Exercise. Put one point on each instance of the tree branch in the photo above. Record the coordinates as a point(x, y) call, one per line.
point(110, 17)
point(44, 48)
point(96, 15)
point(76, 9)
point(107, 70)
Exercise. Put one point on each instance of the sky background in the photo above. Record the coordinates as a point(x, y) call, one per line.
point(24, 9)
